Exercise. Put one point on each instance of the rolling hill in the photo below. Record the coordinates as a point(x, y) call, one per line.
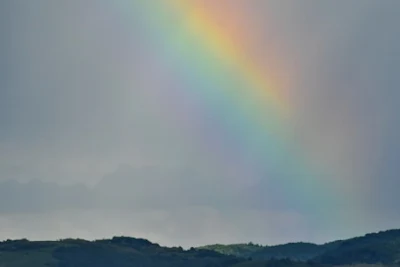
point(382, 247)
point(378, 249)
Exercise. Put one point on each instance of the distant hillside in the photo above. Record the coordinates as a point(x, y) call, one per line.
point(238, 250)
point(376, 249)
point(382, 247)
point(116, 252)
point(295, 251)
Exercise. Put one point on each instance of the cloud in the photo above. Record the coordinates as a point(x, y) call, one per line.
point(96, 119)
point(130, 188)
point(37, 197)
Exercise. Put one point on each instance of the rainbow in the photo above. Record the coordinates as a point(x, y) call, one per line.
point(252, 113)
point(226, 50)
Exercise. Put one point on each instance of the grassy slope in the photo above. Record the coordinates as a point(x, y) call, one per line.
point(22, 259)
point(238, 250)
point(296, 251)
point(23, 253)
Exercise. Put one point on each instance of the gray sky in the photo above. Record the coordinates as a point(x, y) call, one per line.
point(90, 146)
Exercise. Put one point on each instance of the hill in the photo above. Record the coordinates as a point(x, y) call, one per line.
point(375, 248)
point(118, 251)
point(300, 251)
point(382, 247)
point(238, 250)
point(378, 249)
point(296, 251)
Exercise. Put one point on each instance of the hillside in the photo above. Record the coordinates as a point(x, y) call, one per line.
point(382, 247)
point(295, 251)
point(238, 250)
point(375, 249)
point(119, 251)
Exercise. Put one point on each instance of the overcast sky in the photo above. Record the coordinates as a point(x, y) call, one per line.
point(89, 146)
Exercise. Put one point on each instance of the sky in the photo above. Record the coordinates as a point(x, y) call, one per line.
point(128, 118)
